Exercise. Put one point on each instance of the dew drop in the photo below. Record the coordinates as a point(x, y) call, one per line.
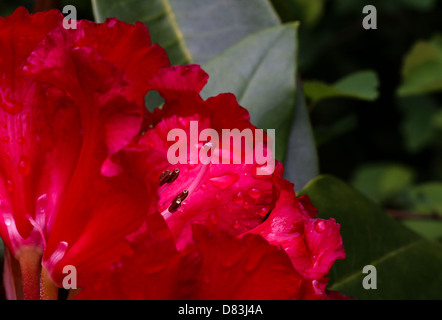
point(21, 141)
point(320, 226)
point(236, 225)
point(218, 196)
point(204, 186)
point(41, 205)
point(24, 165)
point(224, 181)
point(263, 211)
point(8, 103)
point(213, 219)
point(9, 185)
point(6, 139)
point(115, 265)
point(255, 193)
point(154, 268)
point(3, 124)
point(238, 198)
point(246, 205)
point(184, 122)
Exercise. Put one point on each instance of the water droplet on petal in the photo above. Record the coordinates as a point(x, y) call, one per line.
point(24, 165)
point(9, 185)
point(224, 181)
point(320, 226)
point(3, 124)
point(185, 122)
point(21, 141)
point(255, 171)
point(115, 265)
point(263, 211)
point(41, 208)
point(6, 139)
point(213, 219)
point(255, 193)
point(154, 268)
point(8, 102)
point(238, 198)
point(204, 186)
point(218, 196)
point(246, 205)
point(236, 225)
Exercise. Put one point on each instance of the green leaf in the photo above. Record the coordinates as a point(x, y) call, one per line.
point(429, 229)
point(436, 120)
point(419, 5)
point(308, 12)
point(191, 31)
point(346, 7)
point(359, 85)
point(326, 133)
point(380, 181)
point(420, 121)
point(424, 203)
point(260, 70)
point(301, 163)
point(408, 266)
point(425, 198)
point(422, 69)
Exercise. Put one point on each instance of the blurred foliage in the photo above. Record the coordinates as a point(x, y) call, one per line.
point(84, 7)
point(390, 145)
point(359, 85)
point(381, 181)
point(408, 265)
point(422, 69)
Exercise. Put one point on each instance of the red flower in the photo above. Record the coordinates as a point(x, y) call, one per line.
point(239, 235)
point(69, 100)
point(86, 180)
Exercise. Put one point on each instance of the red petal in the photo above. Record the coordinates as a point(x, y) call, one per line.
point(40, 135)
point(229, 195)
point(312, 244)
point(129, 48)
point(70, 104)
point(155, 270)
point(245, 269)
point(217, 267)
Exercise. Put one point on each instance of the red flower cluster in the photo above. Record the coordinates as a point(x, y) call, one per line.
point(85, 180)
